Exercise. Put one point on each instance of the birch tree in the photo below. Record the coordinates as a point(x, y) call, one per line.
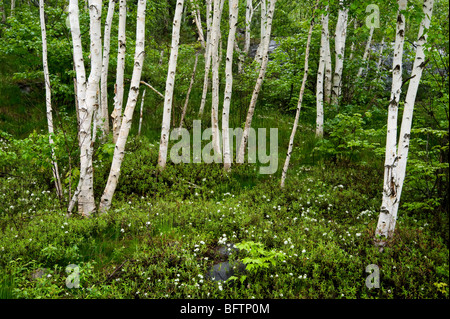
point(207, 56)
point(340, 37)
point(141, 113)
point(104, 114)
point(215, 59)
point(198, 23)
point(263, 32)
point(119, 150)
point(396, 156)
point(366, 51)
point(170, 82)
point(119, 86)
point(259, 81)
point(233, 20)
point(328, 69)
point(87, 97)
point(191, 84)
point(48, 101)
point(299, 104)
point(321, 75)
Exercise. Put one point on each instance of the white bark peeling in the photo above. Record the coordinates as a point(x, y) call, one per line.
point(395, 171)
point(340, 37)
point(119, 150)
point(48, 101)
point(119, 87)
point(233, 19)
point(259, 81)
point(170, 82)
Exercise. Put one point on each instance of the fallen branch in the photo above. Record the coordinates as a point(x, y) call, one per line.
point(159, 93)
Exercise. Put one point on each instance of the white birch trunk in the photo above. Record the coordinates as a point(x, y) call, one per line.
point(141, 113)
point(248, 22)
point(119, 87)
point(299, 105)
point(340, 36)
point(104, 114)
point(395, 174)
point(48, 101)
point(198, 23)
point(207, 56)
point(191, 84)
point(13, 8)
point(328, 72)
point(170, 82)
point(87, 92)
point(153, 89)
point(366, 51)
point(260, 51)
point(380, 57)
point(233, 20)
point(321, 76)
point(119, 150)
point(215, 59)
point(259, 81)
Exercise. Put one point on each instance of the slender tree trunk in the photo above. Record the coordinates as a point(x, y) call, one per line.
point(396, 159)
point(104, 114)
point(320, 77)
point(260, 50)
point(119, 150)
point(87, 93)
point(259, 81)
point(215, 58)
point(48, 101)
point(207, 56)
point(198, 23)
point(366, 51)
point(341, 34)
point(352, 47)
point(141, 113)
point(380, 57)
point(233, 20)
point(170, 82)
point(3, 9)
point(248, 22)
point(328, 71)
point(120, 86)
point(13, 8)
point(299, 105)
point(186, 102)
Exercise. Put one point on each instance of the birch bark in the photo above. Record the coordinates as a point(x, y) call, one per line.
point(191, 84)
point(170, 82)
point(299, 105)
point(328, 72)
point(320, 77)
point(48, 101)
point(119, 87)
point(104, 114)
point(340, 37)
point(141, 113)
point(366, 51)
point(119, 150)
point(233, 19)
point(259, 81)
point(207, 56)
point(215, 59)
point(198, 23)
point(396, 156)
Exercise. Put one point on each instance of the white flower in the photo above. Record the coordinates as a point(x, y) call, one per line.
point(122, 230)
point(304, 251)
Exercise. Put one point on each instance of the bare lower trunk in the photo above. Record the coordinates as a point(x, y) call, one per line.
point(299, 105)
point(119, 150)
point(141, 113)
point(321, 76)
point(170, 82)
point(207, 56)
point(328, 69)
point(87, 93)
point(366, 51)
point(186, 102)
point(215, 59)
point(396, 156)
point(259, 81)
point(48, 101)
point(233, 19)
point(119, 87)
point(341, 34)
point(104, 114)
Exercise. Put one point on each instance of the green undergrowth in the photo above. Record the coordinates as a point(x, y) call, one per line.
point(162, 244)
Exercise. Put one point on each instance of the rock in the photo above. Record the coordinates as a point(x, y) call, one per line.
point(226, 251)
point(38, 273)
point(225, 270)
